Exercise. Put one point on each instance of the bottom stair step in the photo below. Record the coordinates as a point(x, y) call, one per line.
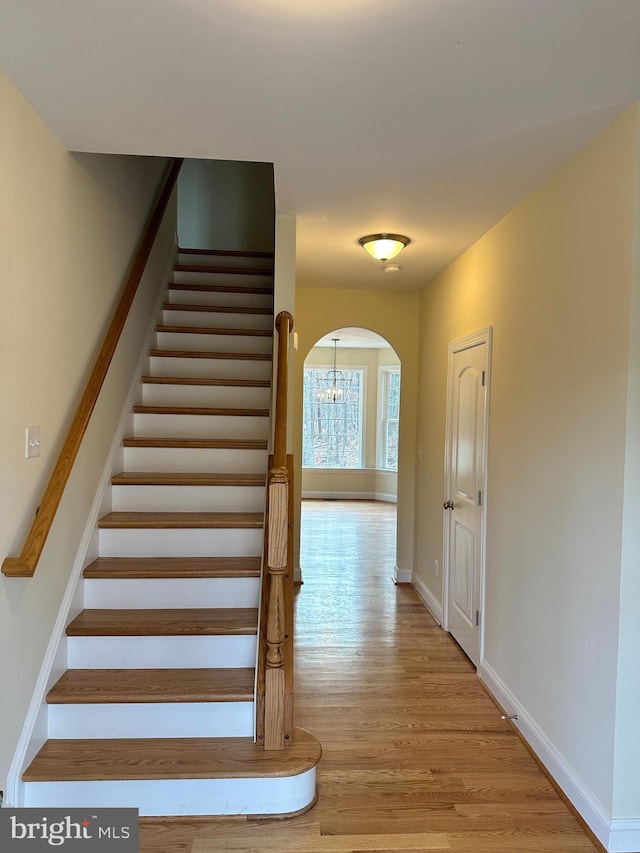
point(175, 776)
point(170, 758)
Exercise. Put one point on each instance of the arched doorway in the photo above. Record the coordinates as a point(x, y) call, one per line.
point(351, 412)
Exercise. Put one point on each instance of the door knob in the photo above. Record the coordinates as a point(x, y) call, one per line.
point(448, 505)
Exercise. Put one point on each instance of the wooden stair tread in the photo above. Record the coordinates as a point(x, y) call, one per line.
point(207, 443)
point(222, 270)
point(200, 410)
point(178, 622)
point(208, 330)
point(108, 686)
point(182, 520)
point(173, 567)
point(147, 478)
point(224, 288)
point(230, 253)
point(203, 380)
point(215, 309)
point(224, 356)
point(170, 758)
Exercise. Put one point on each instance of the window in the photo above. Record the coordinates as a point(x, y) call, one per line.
point(389, 417)
point(332, 432)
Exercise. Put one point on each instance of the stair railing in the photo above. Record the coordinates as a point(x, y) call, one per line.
point(275, 664)
point(25, 565)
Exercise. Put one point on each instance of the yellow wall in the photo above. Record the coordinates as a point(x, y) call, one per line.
point(394, 316)
point(554, 279)
point(70, 224)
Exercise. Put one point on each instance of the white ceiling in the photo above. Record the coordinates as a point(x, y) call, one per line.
point(430, 118)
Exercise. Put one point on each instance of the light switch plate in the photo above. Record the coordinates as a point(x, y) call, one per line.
point(32, 442)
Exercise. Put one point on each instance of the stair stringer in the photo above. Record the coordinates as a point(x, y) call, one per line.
point(35, 729)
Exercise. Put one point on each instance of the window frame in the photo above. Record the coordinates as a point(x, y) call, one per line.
point(323, 368)
point(385, 371)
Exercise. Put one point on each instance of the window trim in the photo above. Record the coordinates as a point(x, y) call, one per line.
point(384, 371)
point(363, 416)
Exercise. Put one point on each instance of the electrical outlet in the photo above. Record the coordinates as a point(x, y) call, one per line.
point(32, 442)
point(436, 567)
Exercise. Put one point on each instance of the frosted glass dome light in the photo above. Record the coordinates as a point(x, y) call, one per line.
point(383, 247)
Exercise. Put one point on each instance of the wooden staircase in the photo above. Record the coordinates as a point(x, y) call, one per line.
point(157, 708)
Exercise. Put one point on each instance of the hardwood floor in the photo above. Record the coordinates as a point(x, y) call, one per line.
point(415, 754)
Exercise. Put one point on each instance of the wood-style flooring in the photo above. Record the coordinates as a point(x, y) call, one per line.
point(415, 753)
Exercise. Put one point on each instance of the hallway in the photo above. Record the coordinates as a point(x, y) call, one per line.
point(415, 754)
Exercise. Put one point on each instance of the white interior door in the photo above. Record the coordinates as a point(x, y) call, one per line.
point(464, 500)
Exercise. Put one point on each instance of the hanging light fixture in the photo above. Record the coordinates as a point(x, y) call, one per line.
point(333, 387)
point(383, 247)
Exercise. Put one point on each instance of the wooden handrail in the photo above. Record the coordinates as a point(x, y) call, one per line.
point(25, 565)
point(284, 325)
point(275, 675)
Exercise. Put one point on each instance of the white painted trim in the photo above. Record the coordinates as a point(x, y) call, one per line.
point(624, 836)
point(168, 593)
point(349, 496)
point(338, 496)
point(279, 795)
point(402, 575)
point(152, 720)
point(428, 599)
point(582, 798)
point(34, 730)
point(380, 401)
point(482, 336)
point(161, 652)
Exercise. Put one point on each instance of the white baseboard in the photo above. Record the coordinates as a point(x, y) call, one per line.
point(624, 836)
point(386, 498)
point(430, 602)
point(617, 836)
point(338, 496)
point(349, 496)
point(402, 575)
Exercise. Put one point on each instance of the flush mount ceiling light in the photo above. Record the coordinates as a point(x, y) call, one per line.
point(383, 247)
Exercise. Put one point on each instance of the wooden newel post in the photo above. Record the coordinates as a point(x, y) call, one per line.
point(275, 705)
point(274, 733)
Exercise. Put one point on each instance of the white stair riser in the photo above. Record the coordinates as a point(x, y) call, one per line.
point(152, 720)
point(278, 796)
point(194, 460)
point(161, 652)
point(193, 342)
point(168, 593)
point(223, 396)
point(231, 300)
point(231, 279)
point(222, 260)
point(188, 498)
point(147, 542)
point(217, 320)
point(210, 368)
point(200, 426)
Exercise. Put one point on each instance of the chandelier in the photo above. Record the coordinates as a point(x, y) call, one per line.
point(333, 387)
